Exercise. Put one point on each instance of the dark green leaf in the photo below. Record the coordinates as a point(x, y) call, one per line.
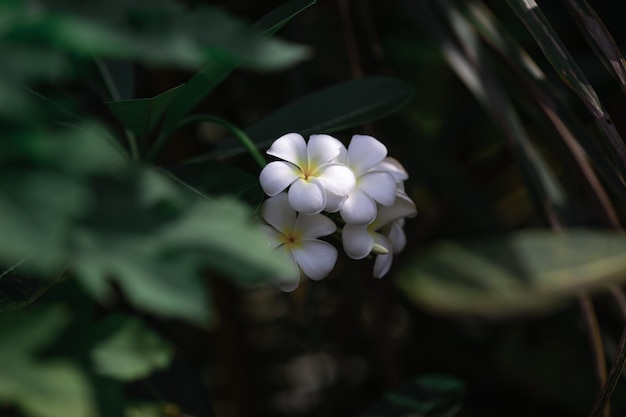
point(19, 286)
point(141, 116)
point(41, 389)
point(523, 272)
point(133, 351)
point(214, 180)
point(339, 107)
point(279, 17)
point(30, 330)
point(426, 396)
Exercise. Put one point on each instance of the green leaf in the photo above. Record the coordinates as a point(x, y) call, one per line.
point(133, 351)
point(49, 389)
point(339, 107)
point(30, 330)
point(213, 179)
point(217, 68)
point(141, 116)
point(279, 17)
point(432, 395)
point(19, 286)
point(523, 272)
point(40, 388)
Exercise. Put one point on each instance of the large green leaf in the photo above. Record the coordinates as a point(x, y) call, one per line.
point(339, 107)
point(426, 396)
point(213, 179)
point(522, 272)
point(43, 191)
point(152, 238)
point(133, 351)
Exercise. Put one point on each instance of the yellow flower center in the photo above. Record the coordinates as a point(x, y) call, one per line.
point(291, 238)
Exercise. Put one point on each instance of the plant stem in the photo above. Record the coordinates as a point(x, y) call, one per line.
point(239, 133)
point(593, 329)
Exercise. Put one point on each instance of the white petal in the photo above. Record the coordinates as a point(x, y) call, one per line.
point(382, 264)
point(394, 167)
point(334, 202)
point(358, 209)
point(396, 236)
point(357, 241)
point(322, 149)
point(380, 186)
point(311, 226)
point(274, 236)
point(288, 284)
point(276, 176)
point(290, 147)
point(278, 213)
point(364, 152)
point(337, 179)
point(307, 196)
point(402, 207)
point(316, 258)
point(342, 158)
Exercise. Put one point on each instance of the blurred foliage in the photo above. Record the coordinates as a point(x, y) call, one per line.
point(137, 281)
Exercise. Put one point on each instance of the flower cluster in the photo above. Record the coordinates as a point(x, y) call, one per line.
point(360, 183)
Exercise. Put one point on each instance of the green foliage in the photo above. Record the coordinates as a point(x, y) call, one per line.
point(42, 388)
point(333, 109)
point(213, 179)
point(141, 115)
point(132, 351)
point(520, 272)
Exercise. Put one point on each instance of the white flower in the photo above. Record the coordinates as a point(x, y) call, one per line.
point(375, 182)
point(309, 171)
point(361, 240)
point(394, 167)
point(297, 233)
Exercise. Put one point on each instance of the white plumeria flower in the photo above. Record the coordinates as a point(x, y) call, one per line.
point(296, 234)
point(310, 172)
point(361, 240)
point(394, 167)
point(375, 182)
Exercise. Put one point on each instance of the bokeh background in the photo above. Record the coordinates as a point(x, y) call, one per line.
point(334, 346)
